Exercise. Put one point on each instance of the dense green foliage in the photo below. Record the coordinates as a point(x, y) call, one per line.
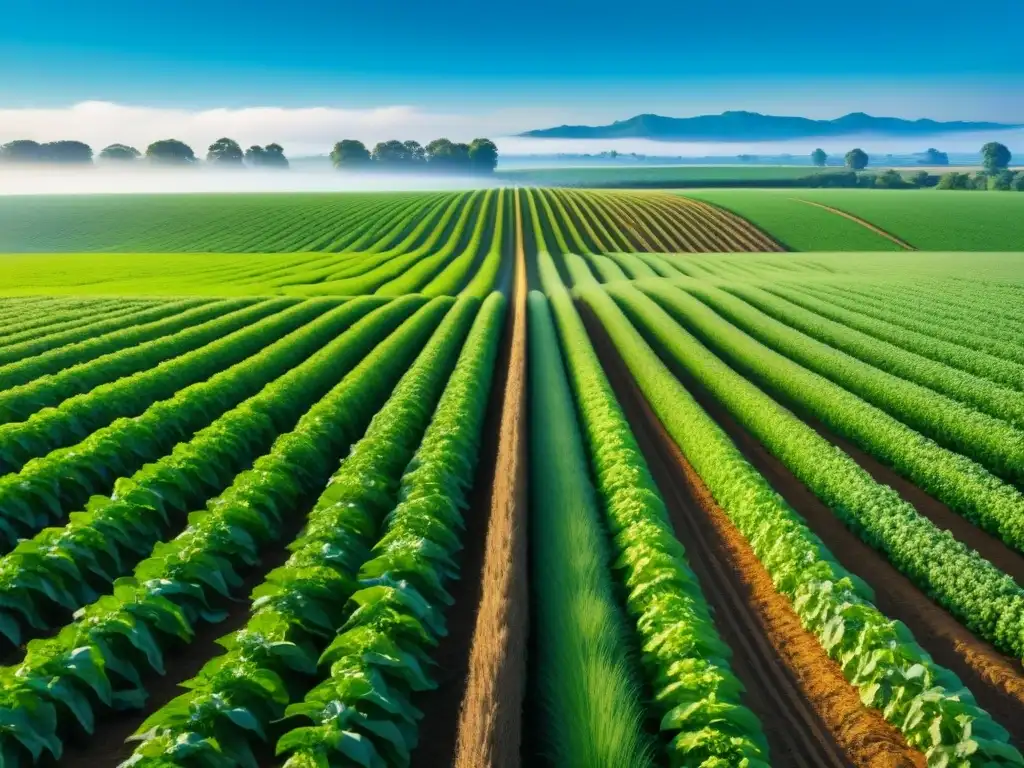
point(587, 687)
point(298, 606)
point(684, 660)
point(878, 656)
point(98, 659)
point(362, 712)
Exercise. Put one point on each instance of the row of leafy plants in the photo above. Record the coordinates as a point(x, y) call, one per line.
point(426, 218)
point(685, 662)
point(204, 325)
point(28, 360)
point(980, 393)
point(129, 316)
point(74, 418)
point(475, 271)
point(297, 609)
point(903, 424)
point(877, 655)
point(987, 366)
point(979, 318)
point(389, 272)
point(100, 659)
point(423, 271)
point(362, 712)
point(69, 566)
point(46, 487)
point(914, 315)
point(982, 597)
point(31, 326)
point(584, 679)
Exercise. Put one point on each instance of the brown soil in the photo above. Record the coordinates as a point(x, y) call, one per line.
point(863, 222)
point(490, 722)
point(811, 716)
point(996, 680)
point(475, 710)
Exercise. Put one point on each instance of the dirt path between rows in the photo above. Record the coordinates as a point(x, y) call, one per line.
point(474, 718)
point(863, 222)
point(995, 679)
point(811, 715)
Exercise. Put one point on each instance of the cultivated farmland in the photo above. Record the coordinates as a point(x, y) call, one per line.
point(511, 477)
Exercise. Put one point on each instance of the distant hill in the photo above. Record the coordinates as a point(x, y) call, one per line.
point(753, 126)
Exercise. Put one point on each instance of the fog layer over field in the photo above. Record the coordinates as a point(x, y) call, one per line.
point(873, 144)
point(49, 180)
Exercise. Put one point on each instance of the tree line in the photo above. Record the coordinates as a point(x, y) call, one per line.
point(223, 152)
point(995, 173)
point(479, 156)
point(441, 155)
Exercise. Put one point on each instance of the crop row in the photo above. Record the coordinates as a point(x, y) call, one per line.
point(47, 486)
point(954, 478)
point(1005, 372)
point(975, 391)
point(100, 658)
point(66, 565)
point(879, 657)
point(19, 402)
point(684, 661)
point(299, 605)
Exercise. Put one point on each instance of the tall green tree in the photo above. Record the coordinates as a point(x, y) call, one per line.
point(857, 159)
point(932, 156)
point(66, 153)
point(225, 152)
point(440, 152)
point(170, 152)
point(350, 153)
point(819, 157)
point(273, 156)
point(270, 156)
point(254, 155)
point(995, 157)
point(483, 155)
point(21, 151)
point(391, 155)
point(119, 153)
point(1003, 181)
point(415, 151)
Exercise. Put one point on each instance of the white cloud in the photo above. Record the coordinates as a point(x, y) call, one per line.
point(308, 130)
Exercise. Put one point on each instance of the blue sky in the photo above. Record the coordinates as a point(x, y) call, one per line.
point(583, 58)
point(309, 72)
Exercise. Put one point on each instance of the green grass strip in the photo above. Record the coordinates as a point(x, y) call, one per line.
point(588, 692)
point(683, 658)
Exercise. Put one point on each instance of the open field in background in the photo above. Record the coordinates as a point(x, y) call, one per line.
point(310, 474)
point(643, 176)
point(927, 220)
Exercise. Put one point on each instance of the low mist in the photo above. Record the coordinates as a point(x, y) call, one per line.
point(873, 144)
point(144, 180)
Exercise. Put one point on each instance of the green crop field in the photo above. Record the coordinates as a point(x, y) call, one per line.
point(929, 220)
point(512, 477)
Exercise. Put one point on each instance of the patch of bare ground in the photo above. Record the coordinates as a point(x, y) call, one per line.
point(474, 718)
point(996, 680)
point(811, 715)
